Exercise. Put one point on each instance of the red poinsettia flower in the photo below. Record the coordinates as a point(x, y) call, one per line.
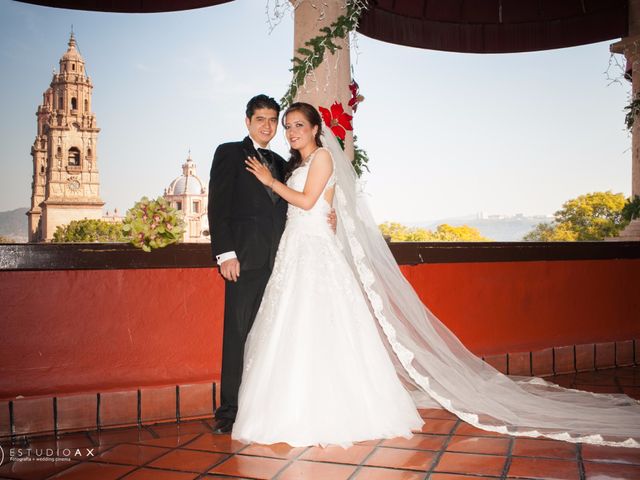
point(337, 120)
point(356, 98)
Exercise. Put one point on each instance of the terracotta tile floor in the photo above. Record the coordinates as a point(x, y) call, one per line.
point(446, 449)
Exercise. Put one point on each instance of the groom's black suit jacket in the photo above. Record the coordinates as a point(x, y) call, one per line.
point(242, 215)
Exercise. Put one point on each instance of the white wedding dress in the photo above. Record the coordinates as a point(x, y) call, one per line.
point(315, 370)
point(339, 325)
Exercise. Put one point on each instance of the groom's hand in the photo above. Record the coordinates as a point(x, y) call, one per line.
point(230, 269)
point(332, 219)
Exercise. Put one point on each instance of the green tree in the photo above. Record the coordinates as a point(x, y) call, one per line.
point(547, 232)
point(631, 209)
point(593, 216)
point(463, 233)
point(90, 230)
point(397, 232)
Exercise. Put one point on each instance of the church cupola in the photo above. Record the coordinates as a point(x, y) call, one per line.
point(188, 194)
point(189, 168)
point(72, 62)
point(72, 87)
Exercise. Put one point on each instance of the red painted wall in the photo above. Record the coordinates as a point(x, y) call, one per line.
point(96, 330)
point(525, 306)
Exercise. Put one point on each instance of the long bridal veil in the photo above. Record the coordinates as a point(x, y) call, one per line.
point(437, 368)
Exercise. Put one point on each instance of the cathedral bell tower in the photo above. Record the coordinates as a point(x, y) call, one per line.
point(65, 183)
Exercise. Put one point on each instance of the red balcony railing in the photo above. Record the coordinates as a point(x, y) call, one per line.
point(105, 327)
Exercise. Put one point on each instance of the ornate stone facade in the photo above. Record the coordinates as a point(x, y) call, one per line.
point(188, 194)
point(66, 183)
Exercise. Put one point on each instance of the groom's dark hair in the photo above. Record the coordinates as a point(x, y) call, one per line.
point(261, 101)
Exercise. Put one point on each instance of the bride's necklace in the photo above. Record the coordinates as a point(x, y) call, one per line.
point(306, 159)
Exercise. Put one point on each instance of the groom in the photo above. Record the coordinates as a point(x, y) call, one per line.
point(246, 220)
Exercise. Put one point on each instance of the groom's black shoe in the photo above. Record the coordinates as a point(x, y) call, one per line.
point(223, 425)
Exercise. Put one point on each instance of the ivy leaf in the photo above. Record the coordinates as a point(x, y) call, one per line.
point(313, 56)
point(305, 51)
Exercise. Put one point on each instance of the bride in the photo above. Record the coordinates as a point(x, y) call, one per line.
point(343, 350)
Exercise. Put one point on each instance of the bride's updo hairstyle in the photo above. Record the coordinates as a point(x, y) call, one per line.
point(313, 117)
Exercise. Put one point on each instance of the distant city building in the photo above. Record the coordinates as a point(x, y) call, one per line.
point(114, 217)
point(66, 184)
point(188, 194)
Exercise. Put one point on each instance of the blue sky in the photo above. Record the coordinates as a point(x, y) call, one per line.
point(448, 134)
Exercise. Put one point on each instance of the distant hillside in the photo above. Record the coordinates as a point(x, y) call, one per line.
point(13, 224)
point(502, 229)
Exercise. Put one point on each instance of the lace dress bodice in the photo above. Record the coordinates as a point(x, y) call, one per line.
point(297, 181)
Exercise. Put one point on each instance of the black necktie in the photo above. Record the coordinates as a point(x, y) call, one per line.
point(267, 159)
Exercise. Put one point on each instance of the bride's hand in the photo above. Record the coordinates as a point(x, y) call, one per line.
point(261, 172)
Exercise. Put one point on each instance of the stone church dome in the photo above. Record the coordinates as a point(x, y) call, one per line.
point(188, 195)
point(188, 183)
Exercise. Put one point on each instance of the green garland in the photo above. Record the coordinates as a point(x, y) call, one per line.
point(633, 110)
point(360, 158)
point(631, 209)
point(312, 54)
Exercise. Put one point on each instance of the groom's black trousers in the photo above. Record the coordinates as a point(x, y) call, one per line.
point(241, 302)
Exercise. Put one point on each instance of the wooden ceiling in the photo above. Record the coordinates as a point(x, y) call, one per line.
point(495, 26)
point(471, 26)
point(128, 6)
